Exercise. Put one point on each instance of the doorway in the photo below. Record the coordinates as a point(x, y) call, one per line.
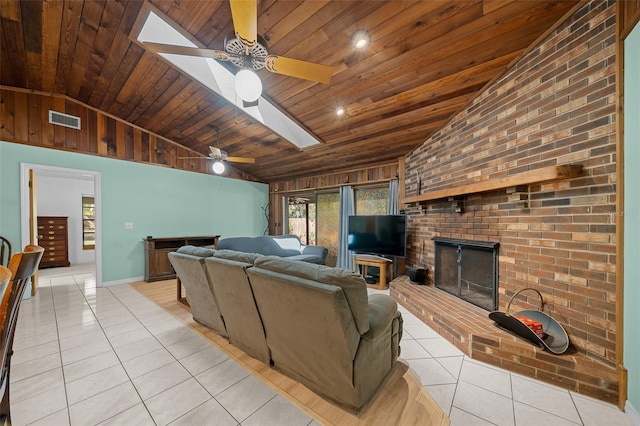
point(74, 176)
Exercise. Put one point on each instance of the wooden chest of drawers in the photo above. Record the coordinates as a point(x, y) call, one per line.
point(53, 236)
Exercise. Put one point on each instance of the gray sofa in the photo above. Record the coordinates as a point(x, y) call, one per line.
point(323, 330)
point(188, 262)
point(276, 245)
point(314, 323)
point(228, 278)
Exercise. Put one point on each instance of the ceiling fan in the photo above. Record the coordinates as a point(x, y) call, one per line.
point(250, 54)
point(219, 157)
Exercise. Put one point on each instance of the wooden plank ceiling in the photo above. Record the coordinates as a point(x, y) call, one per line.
point(425, 61)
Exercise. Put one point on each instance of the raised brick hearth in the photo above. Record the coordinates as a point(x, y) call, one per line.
point(469, 328)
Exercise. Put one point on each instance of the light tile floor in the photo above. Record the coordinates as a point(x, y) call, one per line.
point(109, 356)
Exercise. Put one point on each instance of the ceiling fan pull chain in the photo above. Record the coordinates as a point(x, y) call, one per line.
point(236, 104)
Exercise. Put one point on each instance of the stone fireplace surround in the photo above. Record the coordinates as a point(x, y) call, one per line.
point(554, 106)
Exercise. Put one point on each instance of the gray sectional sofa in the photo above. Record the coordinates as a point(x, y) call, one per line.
point(288, 246)
point(313, 323)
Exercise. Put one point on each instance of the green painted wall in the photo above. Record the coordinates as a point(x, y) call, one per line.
point(161, 202)
point(632, 215)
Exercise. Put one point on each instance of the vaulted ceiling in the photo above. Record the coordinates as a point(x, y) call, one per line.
point(425, 61)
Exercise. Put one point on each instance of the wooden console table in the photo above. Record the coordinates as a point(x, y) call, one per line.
point(156, 263)
point(380, 262)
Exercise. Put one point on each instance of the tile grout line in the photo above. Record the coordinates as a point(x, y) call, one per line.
point(191, 376)
point(194, 377)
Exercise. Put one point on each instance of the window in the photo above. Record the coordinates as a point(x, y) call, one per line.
point(301, 218)
point(328, 218)
point(88, 223)
point(315, 218)
point(371, 200)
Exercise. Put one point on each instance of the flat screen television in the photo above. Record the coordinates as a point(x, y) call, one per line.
point(382, 235)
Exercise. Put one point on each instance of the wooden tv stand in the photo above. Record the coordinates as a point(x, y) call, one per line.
point(156, 263)
point(378, 261)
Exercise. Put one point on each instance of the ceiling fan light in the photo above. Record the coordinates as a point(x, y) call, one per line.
point(218, 167)
point(360, 39)
point(248, 85)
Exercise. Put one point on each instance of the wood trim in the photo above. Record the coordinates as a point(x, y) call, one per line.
point(105, 114)
point(321, 188)
point(354, 170)
point(33, 222)
point(628, 14)
point(402, 176)
point(370, 175)
point(545, 174)
point(96, 141)
point(621, 32)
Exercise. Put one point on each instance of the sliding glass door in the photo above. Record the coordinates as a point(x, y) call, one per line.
point(314, 219)
point(301, 218)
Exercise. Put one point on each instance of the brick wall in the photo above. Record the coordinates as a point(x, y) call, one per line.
point(555, 106)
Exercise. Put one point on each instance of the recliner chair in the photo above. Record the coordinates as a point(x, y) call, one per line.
point(188, 262)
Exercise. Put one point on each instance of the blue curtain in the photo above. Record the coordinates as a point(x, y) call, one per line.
point(394, 207)
point(345, 259)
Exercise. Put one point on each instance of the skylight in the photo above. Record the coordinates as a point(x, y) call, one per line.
point(220, 80)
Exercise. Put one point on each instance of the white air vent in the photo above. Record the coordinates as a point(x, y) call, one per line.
point(65, 120)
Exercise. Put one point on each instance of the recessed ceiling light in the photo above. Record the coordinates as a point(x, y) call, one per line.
point(339, 111)
point(360, 39)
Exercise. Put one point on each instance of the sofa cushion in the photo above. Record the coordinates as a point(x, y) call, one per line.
point(309, 258)
point(237, 256)
point(196, 251)
point(282, 245)
point(245, 244)
point(352, 284)
point(276, 245)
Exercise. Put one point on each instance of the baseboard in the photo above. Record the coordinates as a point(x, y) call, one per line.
point(123, 281)
point(632, 414)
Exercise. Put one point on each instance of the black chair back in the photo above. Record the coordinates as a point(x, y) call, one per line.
point(22, 267)
point(5, 251)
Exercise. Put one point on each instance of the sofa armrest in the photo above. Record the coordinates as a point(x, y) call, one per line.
point(315, 251)
point(382, 310)
point(379, 347)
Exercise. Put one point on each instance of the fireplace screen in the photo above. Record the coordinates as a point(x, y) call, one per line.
point(469, 270)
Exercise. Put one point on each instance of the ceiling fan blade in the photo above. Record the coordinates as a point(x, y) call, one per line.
point(245, 20)
point(195, 158)
point(241, 160)
point(188, 51)
point(298, 68)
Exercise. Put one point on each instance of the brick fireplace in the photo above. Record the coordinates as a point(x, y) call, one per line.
point(468, 269)
point(554, 106)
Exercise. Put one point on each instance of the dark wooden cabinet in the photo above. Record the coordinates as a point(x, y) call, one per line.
point(156, 263)
point(53, 235)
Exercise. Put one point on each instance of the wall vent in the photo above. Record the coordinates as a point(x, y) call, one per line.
point(65, 120)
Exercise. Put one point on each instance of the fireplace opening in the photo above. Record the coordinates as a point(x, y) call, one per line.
point(469, 270)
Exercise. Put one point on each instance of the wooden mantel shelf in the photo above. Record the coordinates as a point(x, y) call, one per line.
point(545, 174)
